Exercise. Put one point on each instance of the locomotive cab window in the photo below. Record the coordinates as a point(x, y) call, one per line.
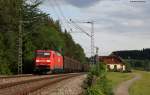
point(43, 54)
point(58, 54)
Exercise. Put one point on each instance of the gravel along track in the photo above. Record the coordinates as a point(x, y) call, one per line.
point(25, 87)
point(12, 78)
point(71, 86)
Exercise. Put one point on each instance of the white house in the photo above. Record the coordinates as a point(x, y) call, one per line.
point(113, 63)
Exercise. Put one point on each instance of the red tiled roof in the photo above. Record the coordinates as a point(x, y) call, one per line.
point(110, 60)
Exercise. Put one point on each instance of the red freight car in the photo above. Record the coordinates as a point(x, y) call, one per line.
point(71, 65)
point(48, 60)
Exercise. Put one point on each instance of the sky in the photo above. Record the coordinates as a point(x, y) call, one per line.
point(118, 24)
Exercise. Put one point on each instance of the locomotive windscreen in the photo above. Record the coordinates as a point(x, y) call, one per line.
point(43, 54)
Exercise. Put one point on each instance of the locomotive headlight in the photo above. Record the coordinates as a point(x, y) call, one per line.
point(48, 61)
point(37, 60)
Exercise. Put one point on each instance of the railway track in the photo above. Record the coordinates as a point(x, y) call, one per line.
point(28, 86)
point(15, 76)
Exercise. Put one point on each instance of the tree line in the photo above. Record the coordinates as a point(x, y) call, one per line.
point(39, 31)
point(138, 59)
point(133, 54)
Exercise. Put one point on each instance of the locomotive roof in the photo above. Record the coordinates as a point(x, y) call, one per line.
point(43, 50)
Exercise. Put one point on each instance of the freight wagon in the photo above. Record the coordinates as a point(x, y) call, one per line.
point(49, 60)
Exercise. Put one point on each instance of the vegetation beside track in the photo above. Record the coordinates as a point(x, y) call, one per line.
point(142, 86)
point(97, 82)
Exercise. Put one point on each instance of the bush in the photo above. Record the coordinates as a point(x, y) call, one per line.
point(128, 67)
point(98, 70)
point(94, 90)
point(4, 69)
point(97, 83)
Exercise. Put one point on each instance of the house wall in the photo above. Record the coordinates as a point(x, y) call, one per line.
point(119, 66)
point(112, 61)
point(124, 67)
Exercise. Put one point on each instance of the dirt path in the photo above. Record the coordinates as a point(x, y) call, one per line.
point(122, 88)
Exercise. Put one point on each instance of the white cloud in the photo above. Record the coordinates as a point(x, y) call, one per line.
point(119, 24)
point(134, 23)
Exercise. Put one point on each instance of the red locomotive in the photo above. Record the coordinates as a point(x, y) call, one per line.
point(49, 60)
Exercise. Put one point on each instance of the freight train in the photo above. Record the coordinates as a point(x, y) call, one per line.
point(53, 61)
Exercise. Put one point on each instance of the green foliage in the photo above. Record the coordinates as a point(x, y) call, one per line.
point(128, 67)
point(141, 86)
point(94, 90)
point(97, 83)
point(39, 32)
point(133, 54)
point(139, 64)
point(98, 70)
point(4, 69)
point(138, 59)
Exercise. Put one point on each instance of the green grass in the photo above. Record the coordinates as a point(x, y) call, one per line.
point(118, 77)
point(142, 86)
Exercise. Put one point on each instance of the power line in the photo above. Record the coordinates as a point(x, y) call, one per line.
point(90, 35)
point(53, 7)
point(69, 24)
point(78, 27)
point(61, 13)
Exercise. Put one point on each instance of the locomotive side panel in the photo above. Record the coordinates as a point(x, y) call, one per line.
point(58, 61)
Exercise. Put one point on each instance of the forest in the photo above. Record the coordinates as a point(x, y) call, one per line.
point(138, 59)
point(134, 54)
point(39, 31)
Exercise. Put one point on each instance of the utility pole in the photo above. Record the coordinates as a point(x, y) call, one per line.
point(97, 57)
point(20, 48)
point(92, 41)
point(20, 38)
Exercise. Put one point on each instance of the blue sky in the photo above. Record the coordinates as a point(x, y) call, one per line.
point(119, 24)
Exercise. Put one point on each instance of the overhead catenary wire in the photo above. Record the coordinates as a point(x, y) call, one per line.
point(72, 23)
point(61, 13)
point(53, 7)
point(78, 27)
point(69, 23)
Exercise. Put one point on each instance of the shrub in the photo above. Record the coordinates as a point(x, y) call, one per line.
point(94, 90)
point(4, 69)
point(128, 67)
point(97, 83)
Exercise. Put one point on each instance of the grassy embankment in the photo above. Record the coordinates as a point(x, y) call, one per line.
point(142, 86)
point(118, 77)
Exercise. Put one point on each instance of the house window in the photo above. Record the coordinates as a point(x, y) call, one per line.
point(108, 67)
point(115, 67)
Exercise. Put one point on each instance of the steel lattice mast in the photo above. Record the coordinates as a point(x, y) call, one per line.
point(20, 38)
point(91, 35)
point(92, 40)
